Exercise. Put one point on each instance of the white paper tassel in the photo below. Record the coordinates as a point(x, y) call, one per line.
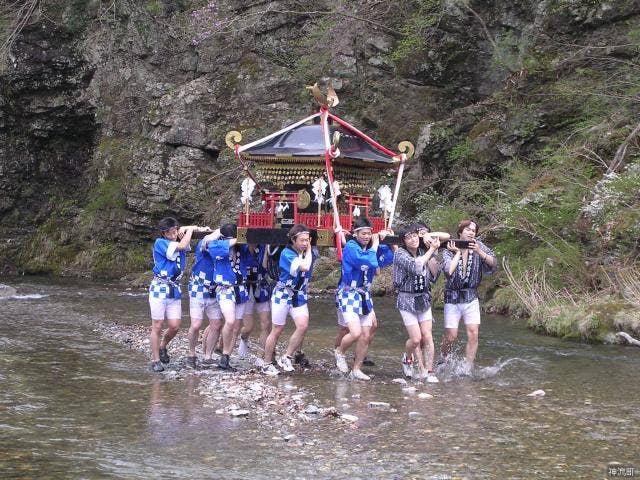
point(281, 207)
point(246, 187)
point(319, 188)
point(386, 198)
point(356, 211)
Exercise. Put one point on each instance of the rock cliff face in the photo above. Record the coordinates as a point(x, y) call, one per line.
point(112, 116)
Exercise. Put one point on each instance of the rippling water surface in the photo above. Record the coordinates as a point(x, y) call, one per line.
point(76, 406)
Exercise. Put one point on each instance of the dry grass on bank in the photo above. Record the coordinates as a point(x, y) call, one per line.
point(582, 315)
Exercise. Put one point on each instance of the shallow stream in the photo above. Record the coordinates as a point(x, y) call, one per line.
point(74, 405)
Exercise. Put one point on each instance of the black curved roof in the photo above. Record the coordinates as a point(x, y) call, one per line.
point(308, 141)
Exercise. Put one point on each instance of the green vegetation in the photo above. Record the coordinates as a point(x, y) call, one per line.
point(313, 64)
point(154, 7)
point(107, 196)
point(425, 15)
point(550, 168)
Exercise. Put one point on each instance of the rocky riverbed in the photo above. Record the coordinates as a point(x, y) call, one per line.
point(276, 404)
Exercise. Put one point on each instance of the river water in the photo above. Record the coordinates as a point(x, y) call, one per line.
point(74, 405)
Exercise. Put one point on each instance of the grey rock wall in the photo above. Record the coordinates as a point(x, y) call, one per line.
point(116, 119)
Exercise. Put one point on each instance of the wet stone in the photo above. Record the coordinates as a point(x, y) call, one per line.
point(348, 418)
point(239, 413)
point(379, 405)
point(312, 409)
point(537, 393)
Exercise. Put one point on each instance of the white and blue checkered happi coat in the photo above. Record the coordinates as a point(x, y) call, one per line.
point(167, 270)
point(285, 295)
point(201, 280)
point(200, 287)
point(236, 293)
point(163, 289)
point(356, 301)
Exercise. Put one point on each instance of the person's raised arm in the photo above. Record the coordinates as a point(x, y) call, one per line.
point(486, 258)
point(441, 236)
point(265, 256)
point(423, 260)
point(185, 238)
point(342, 235)
point(305, 259)
point(215, 235)
point(383, 234)
point(195, 228)
point(451, 246)
point(375, 241)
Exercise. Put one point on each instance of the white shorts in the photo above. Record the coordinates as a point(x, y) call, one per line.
point(227, 305)
point(279, 312)
point(453, 312)
point(344, 318)
point(169, 307)
point(251, 306)
point(198, 307)
point(410, 318)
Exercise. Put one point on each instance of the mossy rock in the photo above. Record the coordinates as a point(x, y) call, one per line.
point(589, 322)
point(628, 321)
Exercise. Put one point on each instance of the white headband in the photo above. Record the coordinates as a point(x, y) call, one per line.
point(360, 228)
point(300, 233)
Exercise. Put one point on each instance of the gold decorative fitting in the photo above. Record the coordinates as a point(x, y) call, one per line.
point(304, 199)
point(232, 138)
point(330, 100)
point(336, 139)
point(407, 147)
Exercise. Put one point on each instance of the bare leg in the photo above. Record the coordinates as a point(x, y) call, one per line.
point(270, 344)
point(227, 331)
point(154, 339)
point(342, 331)
point(374, 327)
point(247, 325)
point(194, 329)
point(412, 345)
point(295, 342)
point(172, 330)
point(213, 333)
point(449, 337)
point(427, 345)
point(355, 330)
point(361, 348)
point(473, 331)
point(265, 324)
point(237, 326)
point(205, 335)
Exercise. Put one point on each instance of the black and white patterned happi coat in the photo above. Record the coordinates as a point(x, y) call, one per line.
point(466, 282)
point(412, 280)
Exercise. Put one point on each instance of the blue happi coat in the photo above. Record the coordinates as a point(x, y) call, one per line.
point(292, 282)
point(201, 284)
point(359, 266)
point(230, 271)
point(168, 267)
point(257, 283)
